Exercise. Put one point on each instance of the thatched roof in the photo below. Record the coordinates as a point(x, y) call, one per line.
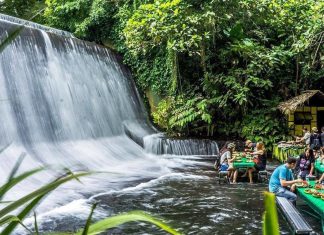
point(309, 98)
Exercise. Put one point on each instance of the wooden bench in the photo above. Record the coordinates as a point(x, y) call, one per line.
point(294, 218)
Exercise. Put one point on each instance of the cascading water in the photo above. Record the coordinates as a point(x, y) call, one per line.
point(69, 103)
point(159, 144)
point(64, 102)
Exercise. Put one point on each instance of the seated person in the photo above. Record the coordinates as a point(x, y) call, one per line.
point(249, 146)
point(228, 156)
point(224, 149)
point(259, 159)
point(305, 164)
point(224, 166)
point(305, 138)
point(282, 183)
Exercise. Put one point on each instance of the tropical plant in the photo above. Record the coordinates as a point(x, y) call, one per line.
point(270, 224)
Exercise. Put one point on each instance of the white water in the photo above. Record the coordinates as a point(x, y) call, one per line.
point(66, 103)
point(63, 103)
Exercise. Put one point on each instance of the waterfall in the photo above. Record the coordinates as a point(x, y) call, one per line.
point(64, 101)
point(159, 144)
point(68, 103)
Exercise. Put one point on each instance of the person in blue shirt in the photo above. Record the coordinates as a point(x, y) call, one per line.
point(282, 183)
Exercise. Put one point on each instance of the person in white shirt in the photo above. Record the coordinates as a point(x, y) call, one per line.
point(228, 156)
point(305, 138)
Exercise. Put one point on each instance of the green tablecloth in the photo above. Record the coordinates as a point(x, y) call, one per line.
point(317, 204)
point(319, 167)
point(282, 153)
point(243, 164)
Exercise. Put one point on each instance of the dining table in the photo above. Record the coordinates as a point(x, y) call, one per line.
point(315, 203)
point(243, 162)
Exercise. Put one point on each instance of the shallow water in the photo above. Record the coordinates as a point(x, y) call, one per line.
point(188, 198)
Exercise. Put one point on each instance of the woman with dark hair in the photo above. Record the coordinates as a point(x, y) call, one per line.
point(305, 164)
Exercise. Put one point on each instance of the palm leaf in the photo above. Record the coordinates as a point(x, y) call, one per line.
point(35, 224)
point(6, 187)
point(22, 215)
point(87, 225)
point(43, 190)
point(13, 34)
point(10, 37)
point(117, 220)
point(14, 170)
point(270, 218)
point(8, 219)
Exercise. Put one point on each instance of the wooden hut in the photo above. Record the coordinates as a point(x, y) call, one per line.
point(305, 110)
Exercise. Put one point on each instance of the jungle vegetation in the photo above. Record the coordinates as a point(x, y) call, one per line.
point(218, 67)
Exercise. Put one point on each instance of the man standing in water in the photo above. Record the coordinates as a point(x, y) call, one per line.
point(282, 183)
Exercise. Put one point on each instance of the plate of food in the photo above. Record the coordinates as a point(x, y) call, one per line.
point(303, 184)
point(318, 186)
point(310, 191)
point(317, 194)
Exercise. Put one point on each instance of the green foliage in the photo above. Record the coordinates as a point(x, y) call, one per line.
point(25, 9)
point(183, 112)
point(162, 113)
point(270, 224)
point(171, 24)
point(117, 220)
point(81, 17)
point(264, 126)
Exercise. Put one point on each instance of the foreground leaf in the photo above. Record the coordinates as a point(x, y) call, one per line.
point(131, 216)
point(22, 215)
point(12, 35)
point(13, 181)
point(270, 217)
point(43, 190)
point(87, 225)
point(8, 219)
